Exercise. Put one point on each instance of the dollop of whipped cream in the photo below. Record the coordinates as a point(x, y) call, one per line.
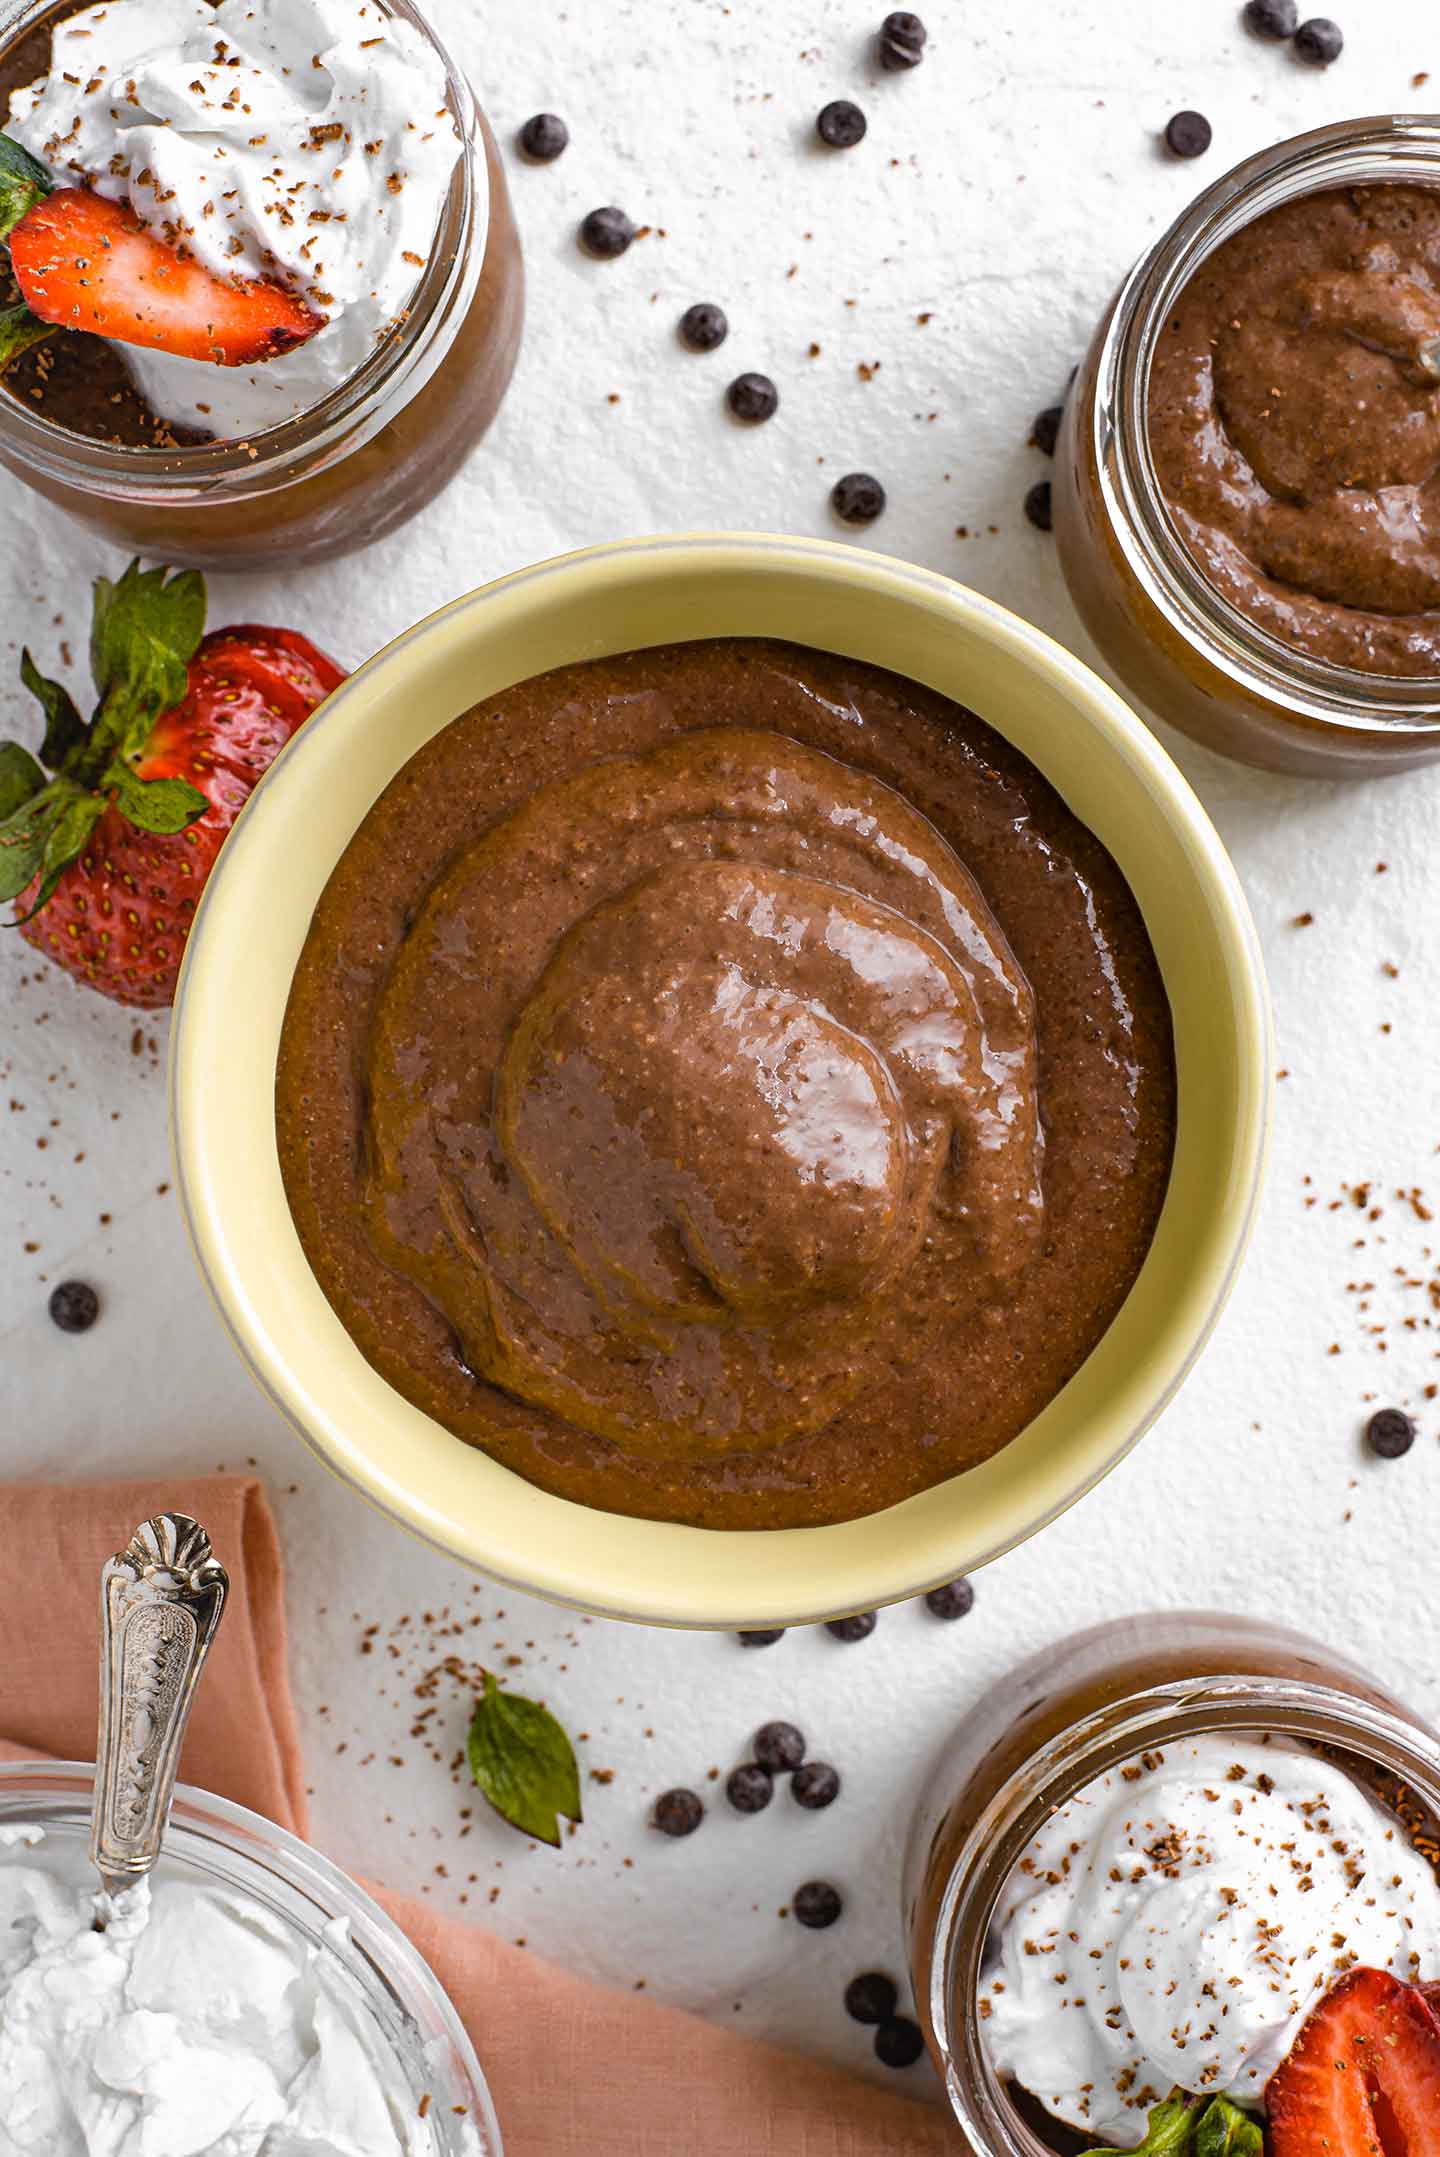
point(1174, 1924)
point(302, 141)
point(196, 2024)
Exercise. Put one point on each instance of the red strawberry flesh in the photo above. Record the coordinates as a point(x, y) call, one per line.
point(1363, 2077)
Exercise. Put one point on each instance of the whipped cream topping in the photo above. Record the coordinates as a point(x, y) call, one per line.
point(197, 2024)
point(1173, 1925)
point(302, 141)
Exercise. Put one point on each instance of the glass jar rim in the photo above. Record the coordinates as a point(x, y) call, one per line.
point(273, 456)
point(1385, 148)
point(1098, 1742)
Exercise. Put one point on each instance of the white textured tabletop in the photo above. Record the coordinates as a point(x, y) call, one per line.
point(949, 270)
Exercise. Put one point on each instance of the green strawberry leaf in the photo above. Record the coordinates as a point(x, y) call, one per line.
point(145, 632)
point(23, 183)
point(523, 1763)
point(159, 805)
point(64, 728)
point(22, 844)
point(1169, 2134)
point(20, 779)
point(19, 330)
point(76, 816)
point(1225, 2131)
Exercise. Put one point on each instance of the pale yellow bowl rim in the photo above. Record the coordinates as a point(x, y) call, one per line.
point(455, 1498)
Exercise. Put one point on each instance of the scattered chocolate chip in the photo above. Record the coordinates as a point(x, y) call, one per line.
point(1037, 505)
point(871, 1997)
point(606, 233)
point(858, 498)
point(902, 40)
point(898, 2042)
point(816, 1904)
point(678, 1812)
point(749, 1788)
point(955, 1600)
point(1271, 18)
point(779, 1747)
point(1319, 41)
point(816, 1785)
point(1388, 1433)
point(753, 397)
point(860, 1627)
point(840, 124)
point(543, 137)
point(1045, 428)
point(703, 327)
point(1188, 134)
point(761, 1636)
point(74, 1306)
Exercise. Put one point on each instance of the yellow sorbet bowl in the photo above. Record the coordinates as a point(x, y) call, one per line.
point(254, 917)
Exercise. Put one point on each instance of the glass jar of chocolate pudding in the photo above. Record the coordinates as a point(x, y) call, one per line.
point(1249, 459)
point(1101, 1777)
point(204, 484)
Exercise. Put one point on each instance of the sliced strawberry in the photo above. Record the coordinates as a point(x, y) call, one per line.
point(1363, 2077)
point(86, 263)
point(1430, 1994)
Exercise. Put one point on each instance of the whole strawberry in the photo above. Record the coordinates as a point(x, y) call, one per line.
point(106, 841)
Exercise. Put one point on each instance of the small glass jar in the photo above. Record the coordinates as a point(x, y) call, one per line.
point(378, 448)
point(1196, 659)
point(1067, 1716)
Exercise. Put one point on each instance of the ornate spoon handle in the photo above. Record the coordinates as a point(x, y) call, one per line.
point(160, 1603)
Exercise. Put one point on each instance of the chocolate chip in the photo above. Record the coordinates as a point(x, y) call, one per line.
point(1188, 134)
point(858, 498)
point(761, 1636)
point(860, 1627)
point(898, 2042)
point(703, 327)
point(1390, 1433)
point(1271, 18)
point(749, 1788)
point(678, 1812)
point(816, 1904)
point(543, 137)
point(871, 1997)
point(74, 1306)
point(1045, 428)
point(753, 397)
point(902, 40)
point(955, 1600)
point(606, 233)
point(1319, 41)
point(840, 124)
point(816, 1785)
point(1037, 505)
point(779, 1747)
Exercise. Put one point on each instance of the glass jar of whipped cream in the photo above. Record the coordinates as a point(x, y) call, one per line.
point(1242, 480)
point(331, 446)
point(1089, 1803)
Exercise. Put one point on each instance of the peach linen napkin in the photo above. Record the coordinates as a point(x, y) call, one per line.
point(575, 2070)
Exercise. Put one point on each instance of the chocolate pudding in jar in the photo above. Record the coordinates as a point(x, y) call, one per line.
point(312, 292)
point(1248, 478)
point(1154, 1867)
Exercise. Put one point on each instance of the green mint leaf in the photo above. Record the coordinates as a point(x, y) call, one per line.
point(76, 816)
point(159, 805)
point(64, 728)
point(523, 1763)
point(145, 632)
point(20, 779)
point(1225, 2131)
point(19, 330)
point(1169, 2134)
point(23, 183)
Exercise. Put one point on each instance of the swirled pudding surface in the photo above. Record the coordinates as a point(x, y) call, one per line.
point(1294, 419)
point(726, 1084)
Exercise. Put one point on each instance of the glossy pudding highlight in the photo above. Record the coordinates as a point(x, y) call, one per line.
point(725, 1083)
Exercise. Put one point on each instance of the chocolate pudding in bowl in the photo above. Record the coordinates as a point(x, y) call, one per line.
point(1151, 1866)
point(312, 294)
point(726, 1128)
point(1249, 469)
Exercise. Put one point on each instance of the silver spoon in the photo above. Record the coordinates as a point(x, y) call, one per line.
point(160, 1604)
